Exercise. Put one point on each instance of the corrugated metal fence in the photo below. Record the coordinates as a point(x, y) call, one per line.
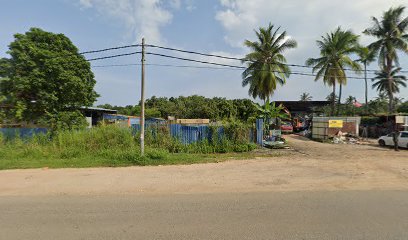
point(192, 134)
point(22, 132)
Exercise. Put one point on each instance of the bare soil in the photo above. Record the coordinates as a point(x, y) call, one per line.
point(309, 166)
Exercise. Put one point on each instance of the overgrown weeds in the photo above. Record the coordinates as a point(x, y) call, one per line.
point(111, 146)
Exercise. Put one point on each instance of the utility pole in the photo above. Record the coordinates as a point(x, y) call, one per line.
point(142, 101)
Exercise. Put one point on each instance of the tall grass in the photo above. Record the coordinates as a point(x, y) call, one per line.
point(108, 146)
point(231, 141)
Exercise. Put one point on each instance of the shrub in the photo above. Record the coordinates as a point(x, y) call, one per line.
point(63, 121)
point(157, 154)
point(237, 132)
point(95, 139)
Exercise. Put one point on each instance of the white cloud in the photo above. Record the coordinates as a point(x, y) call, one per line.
point(308, 19)
point(86, 3)
point(190, 5)
point(305, 21)
point(142, 18)
point(175, 4)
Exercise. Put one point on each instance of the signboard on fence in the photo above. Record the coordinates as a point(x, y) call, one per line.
point(193, 121)
point(335, 123)
point(400, 119)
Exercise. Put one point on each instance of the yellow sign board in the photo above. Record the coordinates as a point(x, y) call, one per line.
point(193, 121)
point(399, 119)
point(335, 123)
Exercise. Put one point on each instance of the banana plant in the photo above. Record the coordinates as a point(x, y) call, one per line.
point(271, 111)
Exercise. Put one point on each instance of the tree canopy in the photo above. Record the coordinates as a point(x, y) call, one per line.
point(194, 106)
point(45, 75)
point(391, 33)
point(335, 50)
point(267, 66)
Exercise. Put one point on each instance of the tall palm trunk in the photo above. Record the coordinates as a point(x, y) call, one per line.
point(339, 100)
point(390, 93)
point(268, 120)
point(366, 86)
point(333, 99)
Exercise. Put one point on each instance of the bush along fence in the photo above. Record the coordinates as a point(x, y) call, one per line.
point(194, 134)
point(233, 137)
point(11, 133)
point(185, 134)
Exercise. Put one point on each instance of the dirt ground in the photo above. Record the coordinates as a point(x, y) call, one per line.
point(310, 166)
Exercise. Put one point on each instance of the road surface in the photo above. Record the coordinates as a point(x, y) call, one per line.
point(318, 191)
point(344, 215)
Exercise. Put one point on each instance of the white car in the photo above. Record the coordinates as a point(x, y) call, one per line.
point(387, 140)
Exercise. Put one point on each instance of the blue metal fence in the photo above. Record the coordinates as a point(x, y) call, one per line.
point(186, 134)
point(22, 132)
point(192, 134)
point(259, 131)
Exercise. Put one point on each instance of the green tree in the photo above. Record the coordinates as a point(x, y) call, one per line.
point(269, 112)
point(403, 108)
point(45, 75)
point(391, 33)
point(382, 83)
point(349, 106)
point(335, 50)
point(304, 97)
point(332, 97)
point(246, 110)
point(266, 63)
point(366, 56)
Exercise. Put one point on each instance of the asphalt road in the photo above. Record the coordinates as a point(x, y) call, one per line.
point(269, 215)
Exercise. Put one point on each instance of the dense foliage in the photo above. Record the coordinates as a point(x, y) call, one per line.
point(391, 33)
point(193, 107)
point(44, 76)
point(114, 146)
point(375, 107)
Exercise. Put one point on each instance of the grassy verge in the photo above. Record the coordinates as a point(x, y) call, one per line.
point(113, 147)
point(94, 161)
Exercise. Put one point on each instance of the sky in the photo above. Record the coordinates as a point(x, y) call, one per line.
point(209, 26)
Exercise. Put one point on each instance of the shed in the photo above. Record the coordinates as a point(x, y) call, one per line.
point(303, 107)
point(325, 127)
point(94, 115)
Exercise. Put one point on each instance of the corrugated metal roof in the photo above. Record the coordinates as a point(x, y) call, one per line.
point(99, 109)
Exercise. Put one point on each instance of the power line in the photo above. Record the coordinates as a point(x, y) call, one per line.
point(226, 67)
point(235, 67)
point(243, 59)
point(370, 71)
point(113, 56)
point(193, 60)
point(163, 65)
point(197, 53)
point(110, 49)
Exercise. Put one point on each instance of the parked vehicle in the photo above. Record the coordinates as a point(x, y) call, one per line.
point(286, 127)
point(387, 140)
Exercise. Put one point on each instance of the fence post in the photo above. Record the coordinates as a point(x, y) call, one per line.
point(259, 131)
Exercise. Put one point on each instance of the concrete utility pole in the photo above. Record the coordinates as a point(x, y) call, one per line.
point(142, 102)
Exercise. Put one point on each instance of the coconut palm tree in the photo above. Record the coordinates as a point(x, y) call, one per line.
point(305, 97)
point(382, 83)
point(349, 105)
point(335, 50)
point(332, 97)
point(392, 36)
point(366, 56)
point(266, 64)
point(350, 100)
